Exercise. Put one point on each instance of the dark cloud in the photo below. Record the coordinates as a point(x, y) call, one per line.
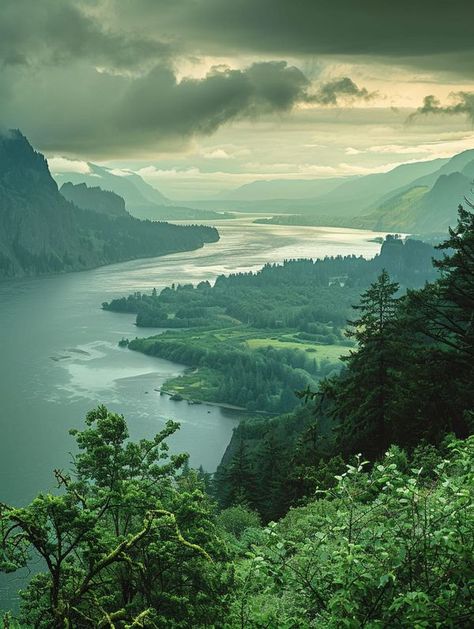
point(51, 32)
point(127, 33)
point(463, 104)
point(93, 113)
point(96, 77)
point(329, 93)
point(158, 103)
point(406, 31)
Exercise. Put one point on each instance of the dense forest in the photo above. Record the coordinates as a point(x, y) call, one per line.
point(252, 339)
point(94, 199)
point(388, 391)
point(42, 232)
point(355, 511)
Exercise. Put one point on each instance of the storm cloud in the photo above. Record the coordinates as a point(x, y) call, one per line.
point(159, 102)
point(416, 32)
point(48, 32)
point(121, 112)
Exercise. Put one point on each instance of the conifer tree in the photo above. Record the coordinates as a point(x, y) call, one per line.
point(362, 396)
point(239, 478)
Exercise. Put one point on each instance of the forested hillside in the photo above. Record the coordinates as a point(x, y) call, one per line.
point(41, 232)
point(142, 200)
point(362, 519)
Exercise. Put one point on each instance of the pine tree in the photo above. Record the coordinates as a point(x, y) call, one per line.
point(240, 481)
point(362, 396)
point(456, 317)
point(271, 465)
point(441, 317)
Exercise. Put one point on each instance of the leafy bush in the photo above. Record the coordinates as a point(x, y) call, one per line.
point(381, 549)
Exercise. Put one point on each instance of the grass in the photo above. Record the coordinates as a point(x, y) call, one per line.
point(321, 352)
point(254, 339)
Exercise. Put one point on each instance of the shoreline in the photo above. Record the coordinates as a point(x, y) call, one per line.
point(229, 407)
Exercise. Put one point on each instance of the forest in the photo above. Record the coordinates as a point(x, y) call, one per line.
point(354, 511)
point(252, 339)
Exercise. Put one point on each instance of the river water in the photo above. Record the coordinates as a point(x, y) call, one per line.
point(60, 358)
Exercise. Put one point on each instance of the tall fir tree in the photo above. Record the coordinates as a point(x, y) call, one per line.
point(362, 395)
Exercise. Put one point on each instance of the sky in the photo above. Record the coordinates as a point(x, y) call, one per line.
point(201, 96)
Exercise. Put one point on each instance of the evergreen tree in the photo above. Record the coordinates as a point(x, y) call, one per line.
point(441, 319)
point(240, 483)
point(362, 396)
point(272, 475)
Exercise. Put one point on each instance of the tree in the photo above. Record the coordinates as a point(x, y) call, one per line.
point(441, 318)
point(122, 545)
point(382, 548)
point(447, 310)
point(362, 394)
point(237, 481)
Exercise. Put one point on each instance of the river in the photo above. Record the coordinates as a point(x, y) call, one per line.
point(59, 352)
point(60, 358)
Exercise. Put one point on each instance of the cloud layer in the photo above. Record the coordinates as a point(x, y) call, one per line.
point(47, 32)
point(419, 32)
point(93, 113)
point(104, 78)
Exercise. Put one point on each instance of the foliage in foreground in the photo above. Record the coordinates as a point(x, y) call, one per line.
point(389, 548)
point(125, 543)
point(128, 543)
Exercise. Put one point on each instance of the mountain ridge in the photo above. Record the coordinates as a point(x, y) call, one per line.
point(42, 232)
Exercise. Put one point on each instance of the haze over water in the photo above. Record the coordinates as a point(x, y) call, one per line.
point(60, 356)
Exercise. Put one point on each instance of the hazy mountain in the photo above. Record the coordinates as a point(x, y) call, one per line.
point(141, 199)
point(94, 199)
point(353, 197)
point(42, 232)
point(282, 189)
point(130, 186)
point(330, 199)
point(430, 203)
point(425, 203)
point(423, 209)
point(454, 164)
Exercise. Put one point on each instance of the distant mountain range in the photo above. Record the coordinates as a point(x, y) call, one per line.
point(141, 199)
point(282, 189)
point(336, 194)
point(419, 197)
point(42, 232)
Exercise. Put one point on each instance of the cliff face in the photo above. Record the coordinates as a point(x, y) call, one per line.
point(42, 232)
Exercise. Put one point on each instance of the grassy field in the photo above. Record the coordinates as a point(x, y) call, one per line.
point(253, 339)
point(320, 352)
